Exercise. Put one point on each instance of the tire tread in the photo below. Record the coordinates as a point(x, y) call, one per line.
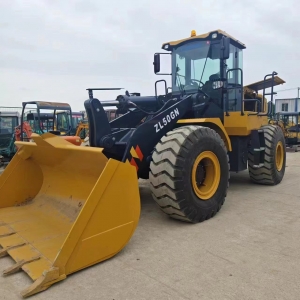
point(167, 167)
point(267, 175)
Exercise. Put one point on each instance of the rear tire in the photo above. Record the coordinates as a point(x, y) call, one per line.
point(183, 158)
point(275, 158)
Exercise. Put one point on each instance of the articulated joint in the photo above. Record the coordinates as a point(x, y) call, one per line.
point(107, 142)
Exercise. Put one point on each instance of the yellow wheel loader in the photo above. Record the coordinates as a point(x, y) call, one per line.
point(77, 206)
point(290, 125)
point(82, 130)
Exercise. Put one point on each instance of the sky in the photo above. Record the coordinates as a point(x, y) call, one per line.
point(52, 50)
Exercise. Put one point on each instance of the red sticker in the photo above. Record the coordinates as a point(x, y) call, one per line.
point(139, 152)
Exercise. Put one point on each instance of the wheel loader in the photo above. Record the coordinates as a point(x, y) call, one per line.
point(82, 130)
point(78, 206)
point(8, 121)
point(290, 125)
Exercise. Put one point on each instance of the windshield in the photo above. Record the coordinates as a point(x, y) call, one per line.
point(76, 119)
point(62, 122)
point(195, 64)
point(8, 124)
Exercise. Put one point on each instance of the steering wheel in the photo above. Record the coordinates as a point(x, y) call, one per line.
point(197, 81)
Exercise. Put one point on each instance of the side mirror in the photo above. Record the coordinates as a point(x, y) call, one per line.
point(156, 63)
point(225, 46)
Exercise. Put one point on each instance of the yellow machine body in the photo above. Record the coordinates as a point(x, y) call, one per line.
point(64, 208)
point(214, 123)
point(236, 124)
point(82, 130)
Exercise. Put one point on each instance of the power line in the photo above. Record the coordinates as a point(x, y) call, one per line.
point(296, 88)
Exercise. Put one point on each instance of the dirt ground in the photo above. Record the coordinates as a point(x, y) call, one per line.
point(249, 250)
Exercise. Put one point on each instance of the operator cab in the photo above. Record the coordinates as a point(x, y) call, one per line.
point(207, 63)
point(8, 122)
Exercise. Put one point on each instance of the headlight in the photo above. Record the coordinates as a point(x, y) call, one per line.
point(217, 85)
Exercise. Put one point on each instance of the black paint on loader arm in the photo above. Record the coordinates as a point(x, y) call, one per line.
point(137, 143)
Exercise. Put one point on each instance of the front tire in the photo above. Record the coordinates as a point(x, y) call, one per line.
point(189, 173)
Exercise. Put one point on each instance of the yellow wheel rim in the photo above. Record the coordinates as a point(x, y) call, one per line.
point(206, 174)
point(279, 155)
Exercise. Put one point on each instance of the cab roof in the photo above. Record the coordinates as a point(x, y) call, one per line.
point(49, 105)
point(206, 36)
point(9, 114)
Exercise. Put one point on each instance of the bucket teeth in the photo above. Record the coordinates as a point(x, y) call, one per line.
point(6, 234)
point(3, 252)
point(5, 230)
point(18, 266)
point(42, 283)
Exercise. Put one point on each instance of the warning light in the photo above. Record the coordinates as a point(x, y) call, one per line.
point(193, 33)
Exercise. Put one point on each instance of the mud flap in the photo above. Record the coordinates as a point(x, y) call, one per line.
point(64, 208)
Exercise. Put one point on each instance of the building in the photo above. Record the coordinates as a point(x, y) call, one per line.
point(287, 105)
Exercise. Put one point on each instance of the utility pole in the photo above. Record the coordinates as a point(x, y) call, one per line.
point(297, 109)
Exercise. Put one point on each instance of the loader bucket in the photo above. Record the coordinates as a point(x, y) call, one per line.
point(64, 208)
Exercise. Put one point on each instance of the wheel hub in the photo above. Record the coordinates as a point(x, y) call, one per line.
point(200, 174)
point(279, 155)
point(206, 174)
